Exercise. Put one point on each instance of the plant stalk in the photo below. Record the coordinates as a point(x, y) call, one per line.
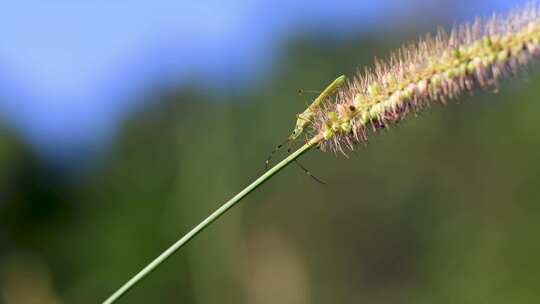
point(207, 221)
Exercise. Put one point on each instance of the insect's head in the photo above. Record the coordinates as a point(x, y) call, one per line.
point(296, 132)
point(301, 123)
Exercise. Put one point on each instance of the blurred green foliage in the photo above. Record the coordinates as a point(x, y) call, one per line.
point(442, 209)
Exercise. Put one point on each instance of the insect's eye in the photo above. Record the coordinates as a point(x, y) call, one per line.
point(294, 132)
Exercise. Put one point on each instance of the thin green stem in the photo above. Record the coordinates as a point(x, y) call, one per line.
point(207, 221)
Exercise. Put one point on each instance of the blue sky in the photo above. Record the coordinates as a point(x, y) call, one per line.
point(72, 71)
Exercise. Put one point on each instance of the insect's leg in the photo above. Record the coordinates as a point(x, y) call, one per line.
point(289, 147)
point(309, 173)
point(267, 162)
point(304, 118)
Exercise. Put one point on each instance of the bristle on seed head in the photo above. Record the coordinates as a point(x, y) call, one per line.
point(436, 69)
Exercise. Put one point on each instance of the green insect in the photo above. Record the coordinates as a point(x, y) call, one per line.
point(305, 118)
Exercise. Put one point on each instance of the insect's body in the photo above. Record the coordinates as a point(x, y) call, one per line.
point(306, 117)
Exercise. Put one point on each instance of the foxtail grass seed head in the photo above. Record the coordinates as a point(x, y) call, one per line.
point(436, 69)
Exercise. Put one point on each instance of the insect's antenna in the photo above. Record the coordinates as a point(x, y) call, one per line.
point(302, 92)
point(309, 173)
point(267, 162)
